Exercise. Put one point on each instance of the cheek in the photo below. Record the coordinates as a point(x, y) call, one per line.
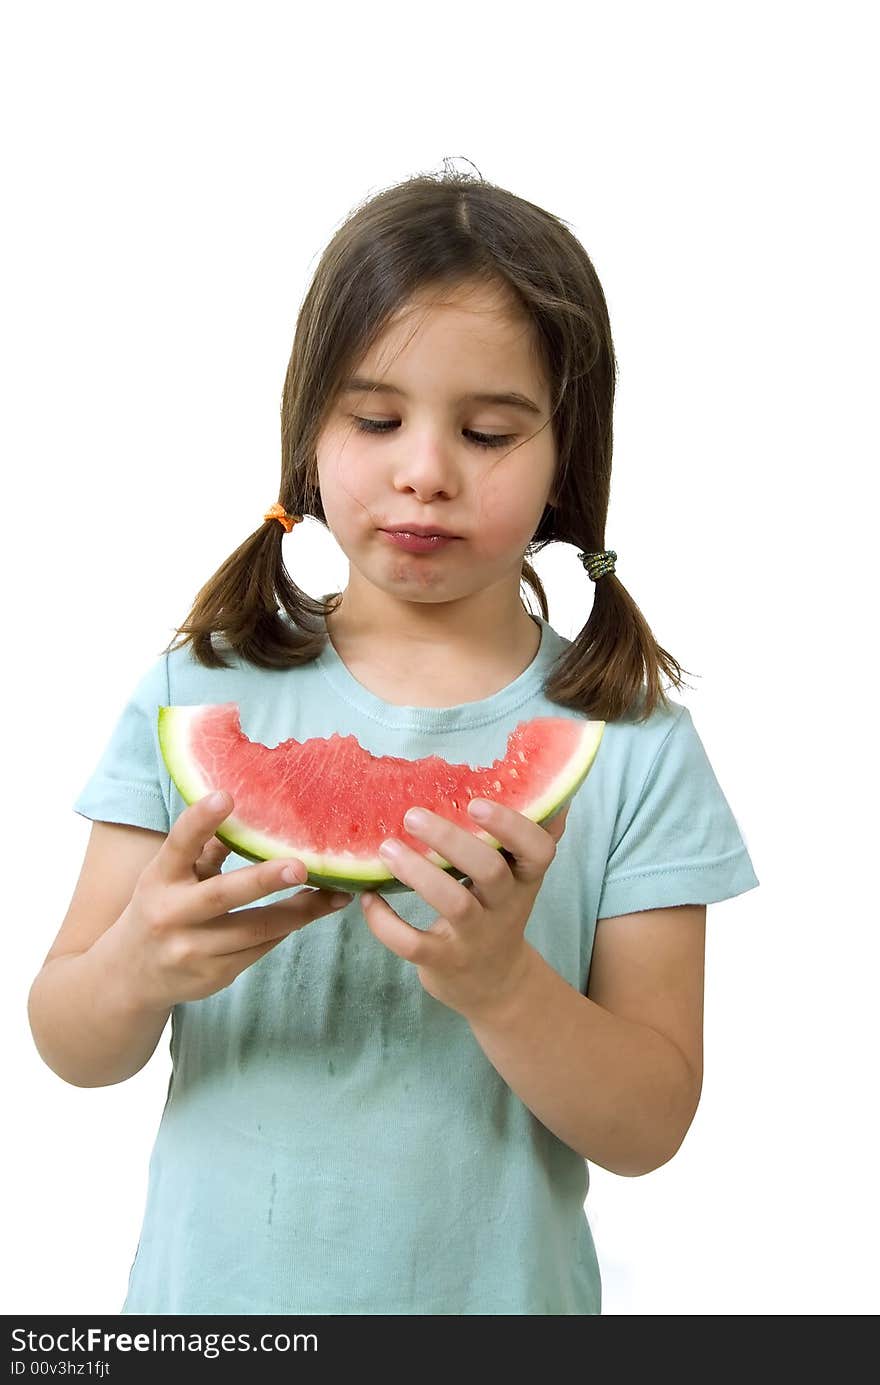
point(341, 478)
point(509, 508)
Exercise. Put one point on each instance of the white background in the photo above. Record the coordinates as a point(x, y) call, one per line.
point(172, 173)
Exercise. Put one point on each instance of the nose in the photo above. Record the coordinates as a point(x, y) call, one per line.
point(427, 464)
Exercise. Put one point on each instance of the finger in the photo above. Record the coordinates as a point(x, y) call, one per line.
point(175, 863)
point(246, 956)
point(269, 923)
point(420, 946)
point(218, 850)
point(220, 894)
point(249, 955)
point(423, 871)
point(474, 853)
point(555, 826)
point(188, 840)
point(189, 835)
point(211, 860)
point(529, 849)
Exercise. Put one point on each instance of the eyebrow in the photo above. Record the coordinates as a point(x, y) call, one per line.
point(511, 397)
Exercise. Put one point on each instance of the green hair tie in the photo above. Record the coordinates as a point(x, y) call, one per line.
point(598, 564)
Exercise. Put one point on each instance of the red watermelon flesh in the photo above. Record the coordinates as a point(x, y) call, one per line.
point(329, 803)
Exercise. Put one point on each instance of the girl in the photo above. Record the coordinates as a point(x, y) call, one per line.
point(392, 1112)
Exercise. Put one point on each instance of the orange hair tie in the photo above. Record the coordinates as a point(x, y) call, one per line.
point(278, 512)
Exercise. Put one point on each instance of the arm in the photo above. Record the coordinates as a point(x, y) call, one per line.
point(617, 1073)
point(86, 1026)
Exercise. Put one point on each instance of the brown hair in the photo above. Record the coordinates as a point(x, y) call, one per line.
point(446, 231)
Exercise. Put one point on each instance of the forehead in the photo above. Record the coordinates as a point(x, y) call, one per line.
point(471, 340)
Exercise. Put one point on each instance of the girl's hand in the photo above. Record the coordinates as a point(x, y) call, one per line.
point(474, 954)
point(210, 863)
point(178, 939)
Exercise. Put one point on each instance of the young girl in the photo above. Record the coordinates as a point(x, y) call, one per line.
point(391, 1111)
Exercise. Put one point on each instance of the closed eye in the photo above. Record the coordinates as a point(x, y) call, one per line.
point(374, 425)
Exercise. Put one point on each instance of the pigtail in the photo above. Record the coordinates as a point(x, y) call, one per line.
point(611, 670)
point(240, 604)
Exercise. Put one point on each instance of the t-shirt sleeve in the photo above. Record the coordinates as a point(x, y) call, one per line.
point(682, 843)
point(130, 782)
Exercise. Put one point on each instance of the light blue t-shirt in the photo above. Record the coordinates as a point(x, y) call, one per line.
point(334, 1140)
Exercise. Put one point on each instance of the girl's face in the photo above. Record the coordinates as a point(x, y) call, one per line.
point(425, 451)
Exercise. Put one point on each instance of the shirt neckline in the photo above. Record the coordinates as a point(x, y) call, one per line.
point(436, 719)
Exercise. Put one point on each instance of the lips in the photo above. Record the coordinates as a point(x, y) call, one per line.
point(422, 531)
point(419, 543)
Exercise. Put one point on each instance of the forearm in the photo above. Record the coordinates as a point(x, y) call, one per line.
point(619, 1093)
point(86, 1026)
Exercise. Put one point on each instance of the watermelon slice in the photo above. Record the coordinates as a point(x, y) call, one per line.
point(330, 803)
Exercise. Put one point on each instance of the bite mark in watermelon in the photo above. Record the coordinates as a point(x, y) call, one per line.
point(330, 803)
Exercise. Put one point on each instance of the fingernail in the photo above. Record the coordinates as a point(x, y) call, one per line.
point(218, 800)
point(292, 874)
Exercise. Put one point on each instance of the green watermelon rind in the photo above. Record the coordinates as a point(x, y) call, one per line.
point(331, 873)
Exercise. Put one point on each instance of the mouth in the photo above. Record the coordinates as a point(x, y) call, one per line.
point(418, 543)
point(419, 531)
